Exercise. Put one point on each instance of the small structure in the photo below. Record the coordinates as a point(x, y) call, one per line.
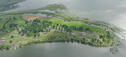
point(2, 41)
point(83, 33)
point(75, 34)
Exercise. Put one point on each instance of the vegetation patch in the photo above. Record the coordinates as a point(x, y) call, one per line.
point(19, 29)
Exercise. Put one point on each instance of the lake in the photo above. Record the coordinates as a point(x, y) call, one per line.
point(111, 11)
point(61, 50)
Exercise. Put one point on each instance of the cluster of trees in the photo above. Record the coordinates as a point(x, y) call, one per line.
point(54, 36)
point(4, 47)
point(33, 28)
point(8, 25)
point(36, 26)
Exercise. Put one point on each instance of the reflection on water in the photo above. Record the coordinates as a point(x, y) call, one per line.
point(112, 11)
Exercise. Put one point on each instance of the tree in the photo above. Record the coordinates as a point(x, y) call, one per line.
point(12, 36)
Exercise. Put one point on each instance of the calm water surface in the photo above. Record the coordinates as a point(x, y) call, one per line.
point(60, 50)
point(112, 11)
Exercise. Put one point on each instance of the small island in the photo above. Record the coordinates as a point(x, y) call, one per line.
point(51, 24)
